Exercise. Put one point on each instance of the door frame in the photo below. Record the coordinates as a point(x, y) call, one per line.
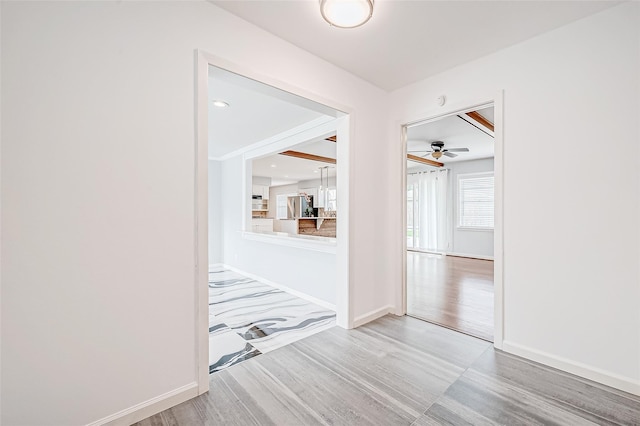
point(497, 101)
point(345, 132)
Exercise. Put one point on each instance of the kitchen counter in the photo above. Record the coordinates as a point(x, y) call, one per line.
point(316, 217)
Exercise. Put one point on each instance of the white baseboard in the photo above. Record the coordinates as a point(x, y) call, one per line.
point(470, 256)
point(149, 408)
point(372, 315)
point(579, 369)
point(284, 288)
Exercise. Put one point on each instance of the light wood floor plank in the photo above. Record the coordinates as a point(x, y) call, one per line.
point(398, 371)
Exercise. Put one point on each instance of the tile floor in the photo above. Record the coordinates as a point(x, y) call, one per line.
point(248, 318)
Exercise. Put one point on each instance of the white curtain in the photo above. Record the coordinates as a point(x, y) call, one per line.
point(433, 221)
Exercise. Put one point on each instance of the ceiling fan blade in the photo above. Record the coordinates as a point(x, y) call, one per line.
point(449, 154)
point(420, 150)
point(458, 150)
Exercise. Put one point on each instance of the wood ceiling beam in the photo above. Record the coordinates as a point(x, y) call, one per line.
point(475, 116)
point(426, 161)
point(306, 156)
point(333, 138)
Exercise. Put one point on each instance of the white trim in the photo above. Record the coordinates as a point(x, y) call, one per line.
point(201, 228)
point(150, 407)
point(498, 220)
point(496, 100)
point(419, 250)
point(372, 315)
point(287, 240)
point(345, 280)
point(289, 133)
point(470, 256)
point(284, 288)
point(401, 295)
point(583, 370)
point(286, 140)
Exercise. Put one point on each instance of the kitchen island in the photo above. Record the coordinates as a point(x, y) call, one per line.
point(318, 226)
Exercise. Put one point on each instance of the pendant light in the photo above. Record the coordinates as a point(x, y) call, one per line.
point(320, 193)
point(346, 13)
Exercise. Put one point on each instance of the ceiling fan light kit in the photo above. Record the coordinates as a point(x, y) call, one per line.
point(346, 13)
point(438, 150)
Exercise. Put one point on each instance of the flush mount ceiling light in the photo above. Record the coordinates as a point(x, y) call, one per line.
point(346, 13)
point(220, 104)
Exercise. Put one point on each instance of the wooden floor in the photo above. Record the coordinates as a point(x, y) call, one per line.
point(398, 371)
point(454, 292)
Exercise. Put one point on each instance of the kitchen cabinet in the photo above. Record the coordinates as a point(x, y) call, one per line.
point(262, 225)
point(259, 205)
point(261, 191)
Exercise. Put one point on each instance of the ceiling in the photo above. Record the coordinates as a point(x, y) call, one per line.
point(256, 112)
point(407, 41)
point(455, 132)
point(290, 170)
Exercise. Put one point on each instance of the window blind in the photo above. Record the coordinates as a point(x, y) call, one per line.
point(475, 204)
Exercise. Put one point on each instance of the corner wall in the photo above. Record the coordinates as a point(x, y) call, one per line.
point(571, 229)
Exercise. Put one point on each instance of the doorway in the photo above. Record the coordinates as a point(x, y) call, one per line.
point(229, 249)
point(450, 208)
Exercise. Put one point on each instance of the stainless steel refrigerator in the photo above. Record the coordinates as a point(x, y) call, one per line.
point(298, 205)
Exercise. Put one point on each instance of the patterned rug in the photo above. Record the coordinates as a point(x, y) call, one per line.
point(247, 318)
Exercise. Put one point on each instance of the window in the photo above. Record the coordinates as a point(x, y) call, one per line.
point(475, 200)
point(332, 198)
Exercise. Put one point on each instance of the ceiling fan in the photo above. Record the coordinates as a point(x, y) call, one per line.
point(437, 150)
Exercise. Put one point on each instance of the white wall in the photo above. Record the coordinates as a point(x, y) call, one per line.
point(571, 229)
point(98, 196)
point(465, 241)
point(307, 271)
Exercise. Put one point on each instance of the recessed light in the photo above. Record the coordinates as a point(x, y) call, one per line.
point(286, 175)
point(273, 165)
point(315, 171)
point(220, 104)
